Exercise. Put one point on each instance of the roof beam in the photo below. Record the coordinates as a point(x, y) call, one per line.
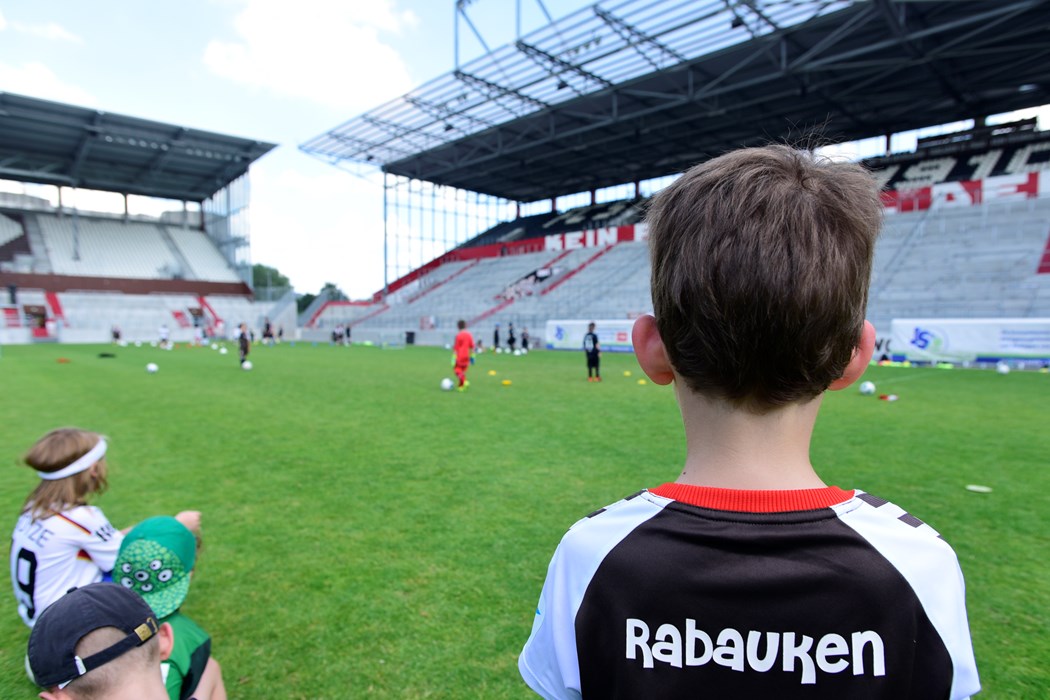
point(897, 29)
point(633, 36)
point(553, 64)
point(445, 114)
point(494, 91)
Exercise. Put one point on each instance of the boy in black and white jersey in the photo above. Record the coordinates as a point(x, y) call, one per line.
point(749, 577)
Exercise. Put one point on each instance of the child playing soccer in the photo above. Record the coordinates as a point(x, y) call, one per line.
point(244, 343)
point(748, 577)
point(463, 347)
point(156, 561)
point(60, 542)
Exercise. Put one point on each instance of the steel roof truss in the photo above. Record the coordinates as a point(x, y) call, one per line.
point(628, 32)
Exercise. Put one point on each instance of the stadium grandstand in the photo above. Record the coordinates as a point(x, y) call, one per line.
point(71, 275)
point(543, 153)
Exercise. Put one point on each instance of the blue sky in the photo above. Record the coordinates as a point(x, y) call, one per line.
point(275, 70)
point(271, 70)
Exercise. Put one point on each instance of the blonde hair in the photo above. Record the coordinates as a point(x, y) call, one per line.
point(57, 450)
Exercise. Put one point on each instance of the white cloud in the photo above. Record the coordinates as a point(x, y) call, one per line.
point(37, 80)
point(327, 52)
point(332, 233)
point(50, 31)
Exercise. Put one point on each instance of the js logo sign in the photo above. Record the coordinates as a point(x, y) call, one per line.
point(928, 340)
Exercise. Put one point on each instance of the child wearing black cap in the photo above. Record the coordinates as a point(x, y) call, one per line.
point(99, 641)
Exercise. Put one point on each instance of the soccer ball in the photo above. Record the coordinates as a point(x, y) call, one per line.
point(867, 388)
point(246, 365)
point(446, 384)
point(517, 353)
point(222, 351)
point(152, 367)
point(1002, 368)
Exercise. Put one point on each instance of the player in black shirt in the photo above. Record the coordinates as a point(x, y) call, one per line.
point(594, 352)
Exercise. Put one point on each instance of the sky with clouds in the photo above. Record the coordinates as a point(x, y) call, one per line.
point(271, 70)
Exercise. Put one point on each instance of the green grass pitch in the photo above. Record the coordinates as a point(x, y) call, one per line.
point(368, 535)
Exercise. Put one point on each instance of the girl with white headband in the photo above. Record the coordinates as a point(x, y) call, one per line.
point(60, 542)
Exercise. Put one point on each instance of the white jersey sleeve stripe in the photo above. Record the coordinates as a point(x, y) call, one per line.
point(572, 567)
point(891, 530)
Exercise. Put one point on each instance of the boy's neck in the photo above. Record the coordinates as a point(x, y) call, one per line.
point(736, 449)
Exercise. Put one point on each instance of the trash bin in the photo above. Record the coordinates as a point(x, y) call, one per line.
point(410, 337)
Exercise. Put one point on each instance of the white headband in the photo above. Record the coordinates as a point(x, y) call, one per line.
point(82, 464)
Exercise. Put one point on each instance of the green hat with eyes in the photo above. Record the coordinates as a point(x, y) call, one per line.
point(155, 561)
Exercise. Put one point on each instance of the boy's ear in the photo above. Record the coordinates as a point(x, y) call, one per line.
point(859, 362)
point(166, 637)
point(650, 351)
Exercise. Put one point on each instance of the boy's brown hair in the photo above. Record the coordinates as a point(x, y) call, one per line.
point(761, 260)
point(57, 450)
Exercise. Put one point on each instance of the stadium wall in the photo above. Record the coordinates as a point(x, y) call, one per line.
point(67, 283)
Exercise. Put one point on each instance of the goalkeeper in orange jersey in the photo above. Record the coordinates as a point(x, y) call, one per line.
point(462, 348)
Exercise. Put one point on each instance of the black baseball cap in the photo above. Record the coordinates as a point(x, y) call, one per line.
point(58, 630)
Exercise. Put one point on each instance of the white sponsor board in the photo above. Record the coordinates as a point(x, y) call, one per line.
point(613, 336)
point(970, 339)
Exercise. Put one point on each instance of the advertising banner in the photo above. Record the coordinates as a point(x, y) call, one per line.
point(613, 336)
point(970, 339)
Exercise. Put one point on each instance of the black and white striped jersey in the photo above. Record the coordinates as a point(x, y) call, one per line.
point(696, 592)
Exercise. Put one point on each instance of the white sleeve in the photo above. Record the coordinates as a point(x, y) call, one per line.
point(549, 663)
point(932, 569)
point(103, 541)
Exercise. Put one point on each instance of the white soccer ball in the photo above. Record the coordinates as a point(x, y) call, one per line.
point(867, 388)
point(246, 365)
point(222, 351)
point(214, 346)
point(446, 384)
point(1002, 368)
point(152, 367)
point(517, 353)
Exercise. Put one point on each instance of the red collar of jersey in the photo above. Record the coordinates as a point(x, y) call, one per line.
point(744, 501)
